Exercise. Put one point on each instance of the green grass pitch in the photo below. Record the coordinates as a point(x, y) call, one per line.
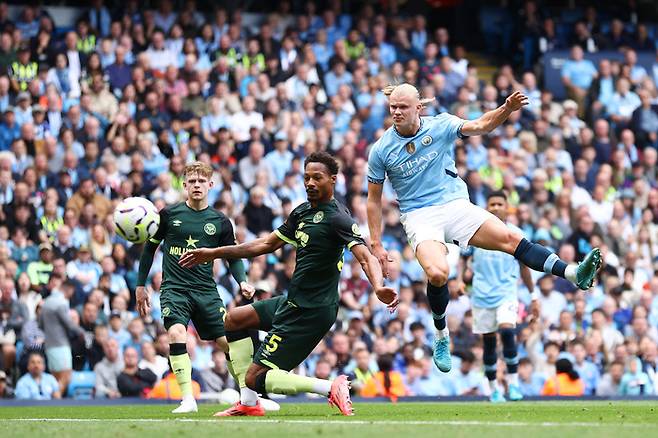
point(557, 419)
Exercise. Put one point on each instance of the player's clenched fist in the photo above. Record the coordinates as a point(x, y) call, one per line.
point(247, 290)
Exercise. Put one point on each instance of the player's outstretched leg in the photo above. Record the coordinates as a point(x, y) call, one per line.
point(241, 352)
point(182, 368)
point(490, 357)
point(495, 235)
point(540, 259)
point(508, 338)
point(265, 380)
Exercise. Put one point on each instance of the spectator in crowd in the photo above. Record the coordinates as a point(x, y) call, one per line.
point(217, 378)
point(565, 382)
point(635, 381)
point(385, 382)
point(56, 323)
point(168, 389)
point(467, 380)
point(530, 383)
point(134, 381)
point(13, 314)
point(107, 370)
point(577, 75)
point(363, 369)
point(6, 391)
point(611, 381)
point(37, 384)
point(153, 361)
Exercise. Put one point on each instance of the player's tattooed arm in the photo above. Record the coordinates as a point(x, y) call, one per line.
point(264, 245)
point(373, 271)
point(494, 118)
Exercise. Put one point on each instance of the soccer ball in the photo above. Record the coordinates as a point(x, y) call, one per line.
point(136, 219)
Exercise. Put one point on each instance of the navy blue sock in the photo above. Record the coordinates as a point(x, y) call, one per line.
point(508, 337)
point(539, 258)
point(438, 297)
point(489, 357)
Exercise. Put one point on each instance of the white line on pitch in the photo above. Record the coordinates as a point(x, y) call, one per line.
point(329, 422)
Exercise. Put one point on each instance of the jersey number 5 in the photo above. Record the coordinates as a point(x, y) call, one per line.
point(273, 343)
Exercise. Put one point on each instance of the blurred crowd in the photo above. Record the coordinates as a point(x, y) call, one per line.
point(117, 105)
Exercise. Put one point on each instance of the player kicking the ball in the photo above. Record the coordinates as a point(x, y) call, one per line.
point(320, 229)
point(495, 304)
point(190, 294)
point(416, 155)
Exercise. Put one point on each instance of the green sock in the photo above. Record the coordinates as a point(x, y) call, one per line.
point(283, 382)
point(182, 366)
point(241, 353)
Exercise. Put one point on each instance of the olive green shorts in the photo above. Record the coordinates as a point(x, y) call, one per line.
point(204, 308)
point(293, 332)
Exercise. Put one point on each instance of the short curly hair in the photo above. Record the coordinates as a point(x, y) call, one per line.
point(323, 157)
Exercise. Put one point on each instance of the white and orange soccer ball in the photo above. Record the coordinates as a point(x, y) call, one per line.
point(136, 219)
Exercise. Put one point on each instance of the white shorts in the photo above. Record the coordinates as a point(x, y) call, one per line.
point(59, 358)
point(454, 222)
point(488, 320)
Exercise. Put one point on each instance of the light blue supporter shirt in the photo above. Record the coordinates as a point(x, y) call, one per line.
point(580, 73)
point(28, 389)
point(421, 167)
point(495, 277)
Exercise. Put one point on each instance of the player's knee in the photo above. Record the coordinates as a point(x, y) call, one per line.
point(222, 344)
point(177, 334)
point(229, 323)
point(438, 275)
point(510, 241)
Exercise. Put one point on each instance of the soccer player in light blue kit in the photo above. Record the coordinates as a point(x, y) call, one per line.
point(495, 304)
point(416, 155)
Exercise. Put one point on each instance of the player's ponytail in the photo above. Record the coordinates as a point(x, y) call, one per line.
point(427, 101)
point(565, 366)
point(385, 364)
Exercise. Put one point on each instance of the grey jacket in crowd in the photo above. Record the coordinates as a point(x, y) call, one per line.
point(56, 322)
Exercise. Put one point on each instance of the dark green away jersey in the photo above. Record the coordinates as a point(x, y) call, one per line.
point(184, 229)
point(320, 236)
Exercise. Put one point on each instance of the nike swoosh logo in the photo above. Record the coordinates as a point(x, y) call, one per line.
point(451, 173)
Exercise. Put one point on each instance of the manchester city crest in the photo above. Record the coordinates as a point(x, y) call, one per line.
point(410, 147)
point(426, 140)
point(209, 229)
point(318, 217)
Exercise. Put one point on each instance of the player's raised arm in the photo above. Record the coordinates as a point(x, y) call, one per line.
point(373, 271)
point(264, 245)
point(494, 118)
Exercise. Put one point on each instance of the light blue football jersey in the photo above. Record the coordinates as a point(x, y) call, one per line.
point(495, 276)
point(421, 168)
